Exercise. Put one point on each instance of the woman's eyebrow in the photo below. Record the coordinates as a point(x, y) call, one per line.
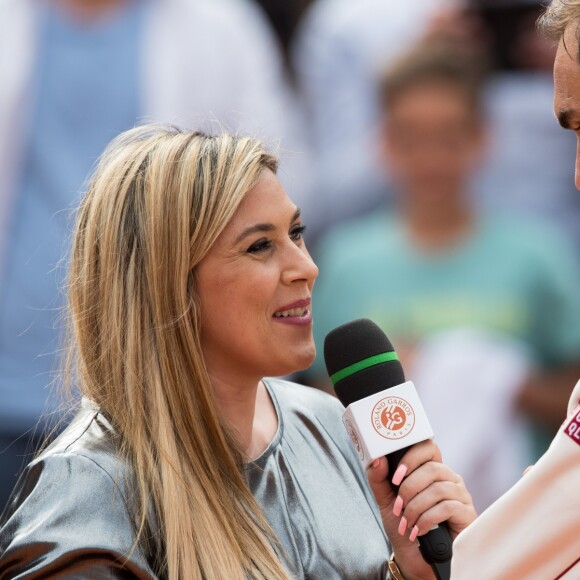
point(265, 227)
point(254, 229)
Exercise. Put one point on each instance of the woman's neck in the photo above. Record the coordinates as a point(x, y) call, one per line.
point(249, 411)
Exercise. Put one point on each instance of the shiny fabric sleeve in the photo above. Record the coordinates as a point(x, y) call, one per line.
point(68, 518)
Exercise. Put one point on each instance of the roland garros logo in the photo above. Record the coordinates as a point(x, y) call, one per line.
point(354, 438)
point(393, 418)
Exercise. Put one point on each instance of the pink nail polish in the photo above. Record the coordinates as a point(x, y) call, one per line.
point(402, 526)
point(414, 533)
point(398, 506)
point(375, 463)
point(399, 474)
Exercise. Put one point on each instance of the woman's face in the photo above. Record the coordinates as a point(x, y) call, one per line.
point(254, 288)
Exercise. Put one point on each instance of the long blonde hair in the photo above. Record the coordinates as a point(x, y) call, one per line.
point(156, 203)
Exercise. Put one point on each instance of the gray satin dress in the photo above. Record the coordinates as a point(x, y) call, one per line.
point(70, 515)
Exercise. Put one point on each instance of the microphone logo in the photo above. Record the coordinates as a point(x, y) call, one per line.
point(393, 418)
point(355, 439)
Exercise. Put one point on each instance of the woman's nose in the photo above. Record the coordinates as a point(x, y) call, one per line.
point(300, 266)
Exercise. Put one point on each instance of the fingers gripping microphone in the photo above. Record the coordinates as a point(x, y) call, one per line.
point(383, 415)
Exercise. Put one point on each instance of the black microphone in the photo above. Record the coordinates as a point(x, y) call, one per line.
point(361, 362)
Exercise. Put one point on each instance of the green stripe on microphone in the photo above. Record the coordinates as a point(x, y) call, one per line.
point(372, 361)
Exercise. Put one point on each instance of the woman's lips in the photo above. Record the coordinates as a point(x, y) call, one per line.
point(301, 320)
point(296, 313)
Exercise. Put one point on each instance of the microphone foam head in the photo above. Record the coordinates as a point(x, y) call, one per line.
point(355, 361)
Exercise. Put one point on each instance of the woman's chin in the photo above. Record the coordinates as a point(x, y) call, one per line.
point(299, 361)
point(305, 359)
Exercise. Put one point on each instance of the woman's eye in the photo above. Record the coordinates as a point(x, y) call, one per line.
point(264, 244)
point(297, 233)
point(259, 246)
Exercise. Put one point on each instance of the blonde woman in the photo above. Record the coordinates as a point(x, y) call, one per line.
point(189, 283)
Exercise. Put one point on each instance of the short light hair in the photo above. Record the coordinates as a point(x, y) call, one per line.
point(427, 63)
point(558, 16)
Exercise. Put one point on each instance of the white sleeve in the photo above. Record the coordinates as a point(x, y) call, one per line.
point(532, 531)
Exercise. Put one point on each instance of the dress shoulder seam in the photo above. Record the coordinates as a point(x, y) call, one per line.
point(68, 452)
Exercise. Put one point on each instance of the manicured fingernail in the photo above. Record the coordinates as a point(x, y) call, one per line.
point(399, 474)
point(375, 463)
point(414, 533)
point(398, 506)
point(402, 526)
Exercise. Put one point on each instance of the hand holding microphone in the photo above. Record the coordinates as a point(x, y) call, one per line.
point(384, 413)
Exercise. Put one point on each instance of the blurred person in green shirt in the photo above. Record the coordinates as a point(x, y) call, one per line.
point(435, 262)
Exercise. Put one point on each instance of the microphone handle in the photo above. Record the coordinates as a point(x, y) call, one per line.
point(436, 546)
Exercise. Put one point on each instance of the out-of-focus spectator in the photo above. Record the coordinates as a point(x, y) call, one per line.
point(529, 167)
point(341, 45)
point(338, 51)
point(73, 74)
point(436, 263)
point(520, 121)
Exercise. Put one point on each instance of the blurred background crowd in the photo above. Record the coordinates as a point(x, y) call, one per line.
point(418, 137)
